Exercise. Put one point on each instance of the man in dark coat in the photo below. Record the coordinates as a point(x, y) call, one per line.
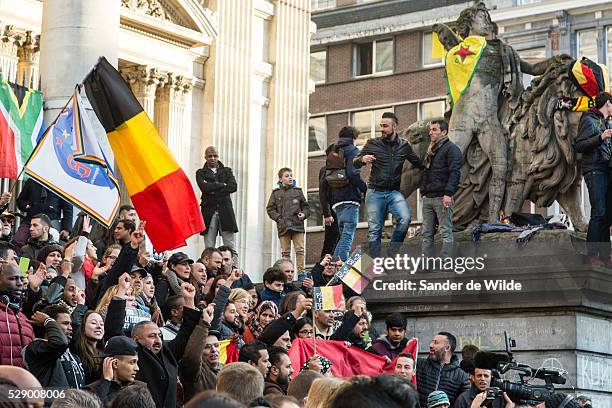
point(35, 199)
point(441, 371)
point(440, 182)
point(217, 182)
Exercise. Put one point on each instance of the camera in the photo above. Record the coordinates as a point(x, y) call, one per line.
point(519, 392)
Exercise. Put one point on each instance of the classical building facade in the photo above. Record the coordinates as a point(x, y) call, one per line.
point(372, 56)
point(233, 74)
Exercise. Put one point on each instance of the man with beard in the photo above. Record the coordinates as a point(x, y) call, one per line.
point(39, 236)
point(391, 344)
point(213, 261)
point(323, 321)
point(480, 378)
point(50, 359)
point(441, 371)
point(15, 330)
point(119, 369)
point(277, 380)
point(8, 220)
point(200, 365)
point(256, 354)
point(354, 325)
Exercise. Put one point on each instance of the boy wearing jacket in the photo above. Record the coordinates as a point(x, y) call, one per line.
point(289, 208)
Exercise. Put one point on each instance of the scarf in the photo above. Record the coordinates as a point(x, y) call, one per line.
point(432, 149)
point(174, 281)
point(253, 321)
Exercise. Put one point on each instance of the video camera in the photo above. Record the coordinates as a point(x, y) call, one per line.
point(519, 392)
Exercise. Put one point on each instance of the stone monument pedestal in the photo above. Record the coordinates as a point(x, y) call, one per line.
point(560, 317)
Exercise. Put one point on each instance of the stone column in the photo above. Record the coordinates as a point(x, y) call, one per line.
point(27, 67)
point(75, 33)
point(144, 81)
point(173, 116)
point(9, 43)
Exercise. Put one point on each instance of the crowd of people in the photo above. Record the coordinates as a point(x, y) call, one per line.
point(97, 314)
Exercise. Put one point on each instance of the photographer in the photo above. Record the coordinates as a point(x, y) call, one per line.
point(594, 143)
point(479, 401)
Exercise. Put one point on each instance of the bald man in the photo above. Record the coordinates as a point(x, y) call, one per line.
point(217, 182)
point(24, 380)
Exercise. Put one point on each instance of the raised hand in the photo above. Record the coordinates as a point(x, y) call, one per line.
point(65, 267)
point(208, 312)
point(38, 318)
point(35, 279)
point(107, 368)
point(86, 224)
point(5, 198)
point(188, 292)
point(137, 236)
point(124, 285)
point(99, 270)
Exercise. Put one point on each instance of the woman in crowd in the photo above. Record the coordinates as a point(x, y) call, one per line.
point(264, 314)
point(88, 343)
point(145, 301)
point(322, 391)
point(255, 301)
point(99, 273)
point(303, 329)
point(214, 288)
point(290, 301)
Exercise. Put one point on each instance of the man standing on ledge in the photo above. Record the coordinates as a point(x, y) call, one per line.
point(440, 182)
point(387, 154)
point(217, 182)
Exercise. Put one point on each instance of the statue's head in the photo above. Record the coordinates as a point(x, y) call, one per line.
point(476, 20)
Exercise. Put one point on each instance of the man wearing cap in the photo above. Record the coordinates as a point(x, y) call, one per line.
point(119, 369)
point(8, 220)
point(178, 272)
point(137, 274)
point(200, 364)
point(438, 399)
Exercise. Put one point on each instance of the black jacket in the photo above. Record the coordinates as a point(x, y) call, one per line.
point(596, 153)
point(442, 176)
point(465, 399)
point(158, 371)
point(51, 361)
point(353, 191)
point(216, 189)
point(345, 331)
point(450, 378)
point(35, 199)
point(34, 246)
point(390, 156)
point(107, 390)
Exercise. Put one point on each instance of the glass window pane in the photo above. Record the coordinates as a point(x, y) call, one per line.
point(587, 44)
point(322, 4)
point(433, 109)
point(384, 55)
point(363, 59)
point(363, 122)
point(609, 53)
point(317, 66)
point(317, 134)
point(427, 45)
point(377, 117)
point(316, 215)
point(533, 55)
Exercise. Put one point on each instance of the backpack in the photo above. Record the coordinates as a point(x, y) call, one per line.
point(335, 168)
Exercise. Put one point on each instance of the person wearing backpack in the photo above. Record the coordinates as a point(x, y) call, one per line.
point(343, 185)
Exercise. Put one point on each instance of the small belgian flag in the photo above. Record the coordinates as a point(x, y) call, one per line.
point(158, 187)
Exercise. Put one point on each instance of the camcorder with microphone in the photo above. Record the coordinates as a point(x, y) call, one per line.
point(521, 392)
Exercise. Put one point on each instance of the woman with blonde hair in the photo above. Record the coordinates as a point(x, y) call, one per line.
point(323, 391)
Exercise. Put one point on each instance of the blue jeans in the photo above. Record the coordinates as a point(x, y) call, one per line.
point(378, 203)
point(434, 214)
point(600, 197)
point(348, 216)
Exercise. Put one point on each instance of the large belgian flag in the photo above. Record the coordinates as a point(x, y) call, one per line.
point(160, 190)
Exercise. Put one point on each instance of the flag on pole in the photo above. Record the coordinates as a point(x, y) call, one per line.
point(69, 161)
point(158, 187)
point(21, 125)
point(357, 271)
point(228, 351)
point(327, 298)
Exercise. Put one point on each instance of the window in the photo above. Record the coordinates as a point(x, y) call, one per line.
point(586, 44)
point(523, 2)
point(317, 134)
point(427, 47)
point(317, 66)
point(609, 51)
point(322, 4)
point(316, 215)
point(532, 56)
point(368, 123)
point(431, 110)
point(373, 57)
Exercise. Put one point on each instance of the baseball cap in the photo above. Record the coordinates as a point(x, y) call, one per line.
point(120, 346)
point(7, 214)
point(137, 268)
point(179, 258)
point(436, 399)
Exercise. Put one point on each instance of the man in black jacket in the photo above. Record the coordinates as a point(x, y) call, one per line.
point(345, 201)
point(39, 236)
point(217, 182)
point(594, 143)
point(387, 155)
point(35, 199)
point(440, 182)
point(50, 359)
point(441, 371)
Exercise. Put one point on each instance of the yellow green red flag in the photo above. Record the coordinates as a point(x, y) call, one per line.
point(461, 62)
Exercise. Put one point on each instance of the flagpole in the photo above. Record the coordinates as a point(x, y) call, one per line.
point(314, 332)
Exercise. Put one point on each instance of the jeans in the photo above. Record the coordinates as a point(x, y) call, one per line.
point(298, 245)
point(600, 197)
point(348, 216)
point(378, 203)
point(331, 236)
point(229, 238)
point(435, 213)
